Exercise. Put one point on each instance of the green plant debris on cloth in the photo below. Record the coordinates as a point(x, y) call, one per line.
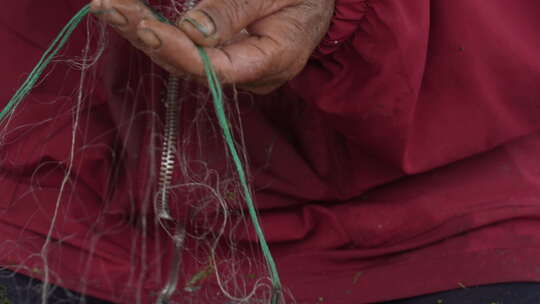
point(199, 278)
point(357, 276)
point(4, 295)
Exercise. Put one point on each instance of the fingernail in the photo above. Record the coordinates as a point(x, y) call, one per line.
point(200, 21)
point(149, 38)
point(95, 6)
point(114, 17)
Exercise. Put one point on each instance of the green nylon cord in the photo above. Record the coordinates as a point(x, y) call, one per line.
point(49, 54)
point(217, 96)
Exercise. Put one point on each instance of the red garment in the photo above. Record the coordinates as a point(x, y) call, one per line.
point(404, 158)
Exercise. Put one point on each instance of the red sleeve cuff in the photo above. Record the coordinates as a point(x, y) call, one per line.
point(347, 17)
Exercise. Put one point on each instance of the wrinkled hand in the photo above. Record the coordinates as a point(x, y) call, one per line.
point(256, 44)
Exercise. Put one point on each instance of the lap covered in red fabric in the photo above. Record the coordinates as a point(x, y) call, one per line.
point(402, 161)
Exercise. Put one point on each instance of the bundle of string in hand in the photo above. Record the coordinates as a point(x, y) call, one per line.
point(215, 199)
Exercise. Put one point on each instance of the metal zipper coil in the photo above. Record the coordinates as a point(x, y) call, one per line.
point(168, 149)
point(166, 170)
point(168, 161)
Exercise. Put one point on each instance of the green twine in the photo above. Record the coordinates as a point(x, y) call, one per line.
point(217, 96)
point(49, 54)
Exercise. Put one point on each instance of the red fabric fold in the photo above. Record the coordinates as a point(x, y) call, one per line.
point(403, 160)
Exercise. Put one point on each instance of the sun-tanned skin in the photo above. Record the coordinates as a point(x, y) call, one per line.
point(278, 39)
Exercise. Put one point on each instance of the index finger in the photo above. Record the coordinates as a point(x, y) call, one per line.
point(132, 19)
point(244, 61)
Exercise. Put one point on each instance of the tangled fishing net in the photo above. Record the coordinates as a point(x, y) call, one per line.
point(167, 164)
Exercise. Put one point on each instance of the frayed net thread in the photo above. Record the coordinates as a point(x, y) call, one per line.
point(243, 274)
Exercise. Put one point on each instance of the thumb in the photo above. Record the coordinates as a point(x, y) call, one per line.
point(212, 22)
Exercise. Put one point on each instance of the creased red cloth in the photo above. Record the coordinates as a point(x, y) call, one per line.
point(404, 158)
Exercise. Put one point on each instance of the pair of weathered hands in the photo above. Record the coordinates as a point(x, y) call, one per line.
point(256, 44)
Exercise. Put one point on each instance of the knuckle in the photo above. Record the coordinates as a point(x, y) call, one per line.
point(231, 16)
point(223, 15)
